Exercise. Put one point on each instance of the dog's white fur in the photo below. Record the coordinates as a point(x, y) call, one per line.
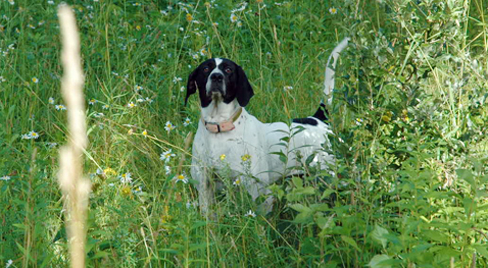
point(257, 140)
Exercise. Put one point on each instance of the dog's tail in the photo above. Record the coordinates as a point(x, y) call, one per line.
point(321, 112)
point(330, 69)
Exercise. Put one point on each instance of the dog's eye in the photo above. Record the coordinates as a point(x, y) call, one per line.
point(228, 70)
point(206, 69)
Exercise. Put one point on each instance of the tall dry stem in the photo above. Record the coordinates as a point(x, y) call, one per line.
point(75, 188)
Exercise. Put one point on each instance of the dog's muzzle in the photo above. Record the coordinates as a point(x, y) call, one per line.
point(216, 84)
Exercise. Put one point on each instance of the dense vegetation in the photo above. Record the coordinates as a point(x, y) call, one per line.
point(409, 114)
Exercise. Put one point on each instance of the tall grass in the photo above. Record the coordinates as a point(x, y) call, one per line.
point(409, 116)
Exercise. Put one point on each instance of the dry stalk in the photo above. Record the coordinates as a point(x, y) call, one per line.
point(75, 188)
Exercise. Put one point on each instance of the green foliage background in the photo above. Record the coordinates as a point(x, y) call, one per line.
point(409, 114)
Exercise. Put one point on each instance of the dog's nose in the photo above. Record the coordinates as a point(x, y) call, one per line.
point(216, 77)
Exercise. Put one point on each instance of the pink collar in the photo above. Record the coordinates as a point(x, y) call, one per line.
point(225, 126)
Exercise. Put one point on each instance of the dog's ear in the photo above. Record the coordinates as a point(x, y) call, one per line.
point(244, 90)
point(191, 87)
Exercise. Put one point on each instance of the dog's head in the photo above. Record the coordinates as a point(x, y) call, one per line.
point(219, 80)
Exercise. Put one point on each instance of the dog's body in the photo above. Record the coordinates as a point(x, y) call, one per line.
point(228, 135)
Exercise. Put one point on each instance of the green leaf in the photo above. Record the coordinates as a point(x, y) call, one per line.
point(300, 208)
point(376, 261)
point(304, 217)
point(435, 236)
point(467, 175)
point(351, 242)
point(305, 191)
point(326, 193)
point(481, 249)
point(378, 235)
point(297, 182)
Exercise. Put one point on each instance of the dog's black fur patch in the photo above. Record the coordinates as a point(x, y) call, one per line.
point(305, 121)
point(322, 113)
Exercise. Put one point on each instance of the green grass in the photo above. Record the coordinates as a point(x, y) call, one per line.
point(409, 115)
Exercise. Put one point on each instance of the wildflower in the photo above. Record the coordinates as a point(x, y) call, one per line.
point(109, 171)
point(92, 102)
point(52, 144)
point(203, 52)
point(189, 17)
point(405, 115)
point(35, 80)
point(138, 88)
point(50, 2)
point(177, 79)
point(181, 178)
point(245, 157)
point(33, 135)
point(99, 171)
point(2, 79)
point(138, 190)
point(182, 89)
point(9, 263)
point(98, 115)
point(241, 8)
point(250, 213)
point(167, 170)
point(144, 133)
point(12, 2)
point(5, 178)
point(164, 12)
point(140, 100)
point(359, 121)
point(51, 100)
point(286, 88)
point(136, 4)
point(106, 106)
point(125, 178)
point(195, 56)
point(130, 132)
point(138, 27)
point(60, 107)
point(182, 29)
point(233, 17)
point(187, 122)
point(30, 135)
point(215, 24)
point(126, 191)
point(333, 10)
point(239, 24)
point(237, 182)
point(387, 117)
point(169, 126)
point(131, 104)
point(149, 100)
point(166, 156)
point(222, 157)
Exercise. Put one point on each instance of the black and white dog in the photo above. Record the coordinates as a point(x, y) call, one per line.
point(228, 135)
